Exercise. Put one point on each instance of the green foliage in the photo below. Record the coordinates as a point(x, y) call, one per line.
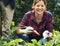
point(56, 22)
point(34, 43)
point(12, 42)
point(17, 42)
point(12, 23)
point(22, 6)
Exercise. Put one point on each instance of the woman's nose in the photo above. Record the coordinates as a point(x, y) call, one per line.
point(40, 7)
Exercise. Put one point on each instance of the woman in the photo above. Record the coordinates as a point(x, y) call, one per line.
point(39, 18)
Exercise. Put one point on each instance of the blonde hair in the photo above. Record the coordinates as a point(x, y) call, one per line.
point(35, 1)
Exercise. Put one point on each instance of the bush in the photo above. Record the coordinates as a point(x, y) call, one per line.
point(19, 42)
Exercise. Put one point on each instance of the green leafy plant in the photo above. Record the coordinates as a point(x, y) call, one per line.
point(19, 42)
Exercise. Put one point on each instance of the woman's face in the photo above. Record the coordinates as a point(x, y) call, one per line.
point(39, 7)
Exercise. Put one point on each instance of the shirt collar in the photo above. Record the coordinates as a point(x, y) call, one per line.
point(43, 18)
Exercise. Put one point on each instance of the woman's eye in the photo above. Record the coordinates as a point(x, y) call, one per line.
point(38, 5)
point(42, 6)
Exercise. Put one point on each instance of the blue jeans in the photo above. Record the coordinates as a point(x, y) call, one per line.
point(26, 38)
point(43, 40)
